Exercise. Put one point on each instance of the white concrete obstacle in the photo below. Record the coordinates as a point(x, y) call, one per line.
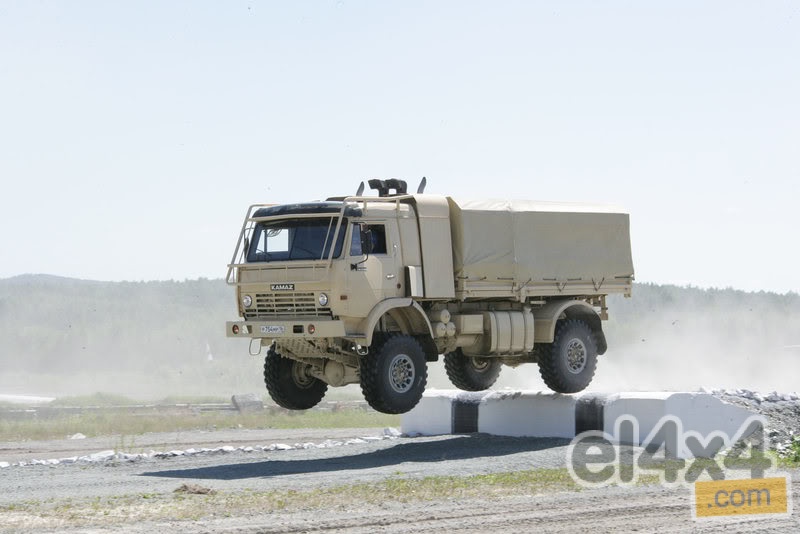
point(553, 415)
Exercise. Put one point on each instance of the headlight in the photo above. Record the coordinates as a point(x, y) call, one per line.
point(323, 299)
point(247, 300)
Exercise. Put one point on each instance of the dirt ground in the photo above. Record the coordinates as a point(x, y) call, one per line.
point(618, 509)
point(612, 510)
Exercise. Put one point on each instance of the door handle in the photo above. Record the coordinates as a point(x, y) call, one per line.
point(389, 276)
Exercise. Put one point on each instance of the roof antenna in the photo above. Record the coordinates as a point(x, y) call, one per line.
point(422, 185)
point(360, 189)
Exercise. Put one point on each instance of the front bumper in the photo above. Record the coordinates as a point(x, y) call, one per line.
point(311, 327)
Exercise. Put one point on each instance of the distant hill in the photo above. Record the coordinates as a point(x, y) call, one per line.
point(56, 324)
point(61, 334)
point(65, 335)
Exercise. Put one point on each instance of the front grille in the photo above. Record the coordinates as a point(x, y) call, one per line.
point(269, 305)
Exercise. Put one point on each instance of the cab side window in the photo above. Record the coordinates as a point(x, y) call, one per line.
point(378, 240)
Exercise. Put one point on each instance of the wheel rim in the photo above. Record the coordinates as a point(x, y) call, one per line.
point(401, 373)
point(300, 377)
point(576, 356)
point(480, 365)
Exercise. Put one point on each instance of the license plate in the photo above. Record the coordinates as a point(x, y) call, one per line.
point(273, 329)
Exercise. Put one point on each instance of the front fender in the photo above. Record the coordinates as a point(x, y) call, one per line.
point(407, 313)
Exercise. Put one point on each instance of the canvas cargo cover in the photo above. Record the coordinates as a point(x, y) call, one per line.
point(539, 241)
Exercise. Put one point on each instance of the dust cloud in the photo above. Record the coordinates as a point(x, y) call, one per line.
point(669, 338)
point(61, 337)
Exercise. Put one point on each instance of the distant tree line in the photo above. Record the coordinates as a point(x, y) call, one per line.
point(52, 324)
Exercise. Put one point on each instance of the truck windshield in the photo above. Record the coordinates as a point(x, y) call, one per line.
point(295, 239)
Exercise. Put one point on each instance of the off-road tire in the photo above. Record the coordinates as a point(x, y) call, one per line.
point(288, 384)
point(470, 373)
point(394, 373)
point(567, 364)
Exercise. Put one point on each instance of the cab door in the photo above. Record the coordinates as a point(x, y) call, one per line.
point(378, 275)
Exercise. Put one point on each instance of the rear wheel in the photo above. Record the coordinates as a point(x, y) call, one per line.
point(567, 364)
point(289, 383)
point(471, 373)
point(394, 374)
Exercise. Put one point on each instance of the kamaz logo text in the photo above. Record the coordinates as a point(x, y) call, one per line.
point(282, 287)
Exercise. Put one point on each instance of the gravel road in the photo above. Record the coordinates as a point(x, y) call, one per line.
point(643, 508)
point(294, 469)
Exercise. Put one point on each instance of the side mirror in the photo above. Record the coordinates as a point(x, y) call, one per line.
point(366, 244)
point(366, 239)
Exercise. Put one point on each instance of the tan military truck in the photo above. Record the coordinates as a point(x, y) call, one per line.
point(369, 289)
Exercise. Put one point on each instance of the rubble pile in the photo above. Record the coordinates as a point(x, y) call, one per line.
point(782, 411)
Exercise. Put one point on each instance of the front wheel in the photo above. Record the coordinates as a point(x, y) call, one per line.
point(471, 373)
point(567, 364)
point(289, 383)
point(393, 376)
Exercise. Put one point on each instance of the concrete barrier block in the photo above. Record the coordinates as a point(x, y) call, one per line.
point(553, 415)
point(527, 414)
point(704, 413)
point(646, 407)
point(697, 412)
point(432, 416)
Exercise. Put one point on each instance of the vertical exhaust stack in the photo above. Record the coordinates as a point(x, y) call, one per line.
point(392, 187)
point(384, 187)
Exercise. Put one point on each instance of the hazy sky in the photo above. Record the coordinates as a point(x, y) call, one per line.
point(133, 135)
